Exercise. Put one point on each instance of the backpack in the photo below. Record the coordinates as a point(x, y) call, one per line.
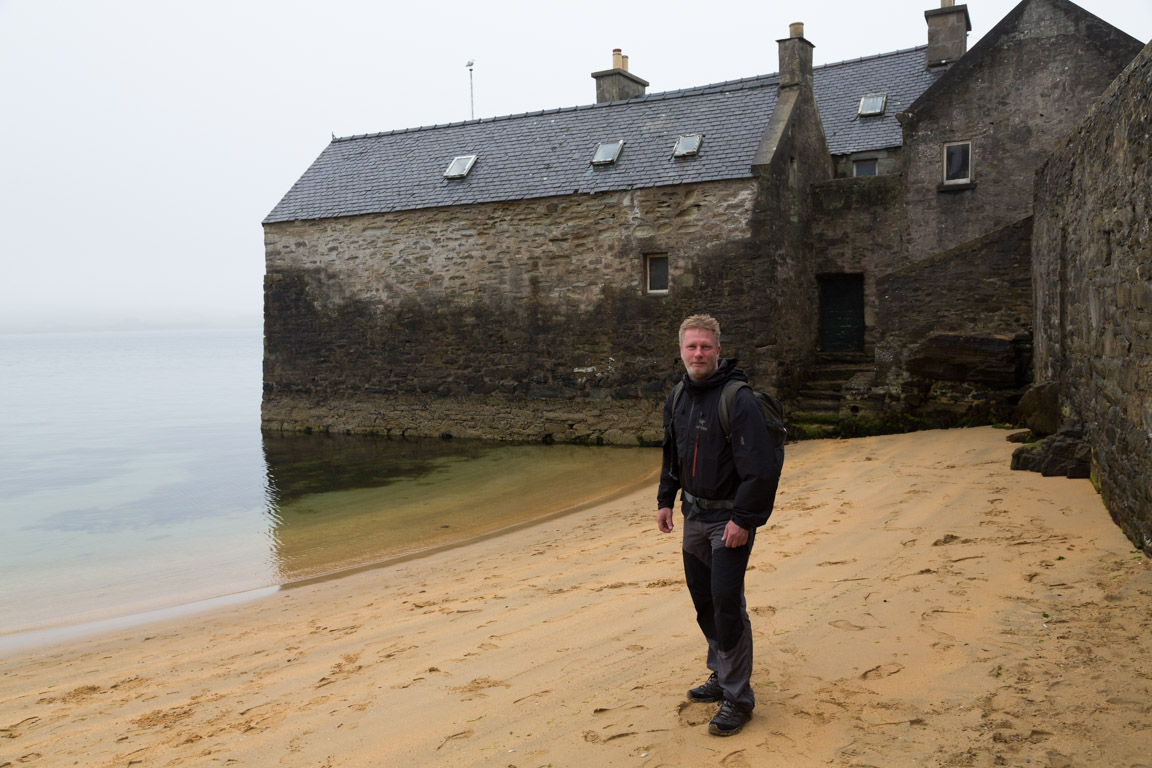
point(770, 408)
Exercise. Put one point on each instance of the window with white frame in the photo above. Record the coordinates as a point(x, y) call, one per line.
point(607, 152)
point(958, 162)
point(656, 272)
point(459, 167)
point(689, 145)
point(872, 104)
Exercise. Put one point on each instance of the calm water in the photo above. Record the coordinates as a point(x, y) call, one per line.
point(133, 478)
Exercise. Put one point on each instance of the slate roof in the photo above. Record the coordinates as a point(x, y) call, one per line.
point(548, 153)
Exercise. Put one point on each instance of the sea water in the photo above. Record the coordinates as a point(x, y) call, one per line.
point(134, 478)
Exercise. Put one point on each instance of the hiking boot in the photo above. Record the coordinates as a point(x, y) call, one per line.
point(708, 692)
point(729, 720)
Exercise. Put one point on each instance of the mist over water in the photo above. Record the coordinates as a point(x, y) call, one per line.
point(133, 477)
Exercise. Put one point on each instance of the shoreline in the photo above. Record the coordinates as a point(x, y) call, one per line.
point(62, 632)
point(911, 595)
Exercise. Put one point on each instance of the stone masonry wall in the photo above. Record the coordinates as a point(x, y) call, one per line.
point(857, 227)
point(523, 320)
point(1092, 261)
point(956, 330)
point(1014, 104)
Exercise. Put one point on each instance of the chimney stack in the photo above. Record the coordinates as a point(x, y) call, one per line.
point(948, 28)
point(795, 58)
point(618, 83)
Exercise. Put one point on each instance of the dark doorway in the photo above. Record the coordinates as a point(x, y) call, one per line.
point(842, 313)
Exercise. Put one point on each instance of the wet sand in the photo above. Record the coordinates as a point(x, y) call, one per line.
point(914, 602)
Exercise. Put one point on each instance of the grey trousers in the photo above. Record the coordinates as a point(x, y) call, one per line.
point(715, 577)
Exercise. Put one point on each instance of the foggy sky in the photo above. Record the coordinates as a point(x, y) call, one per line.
point(143, 141)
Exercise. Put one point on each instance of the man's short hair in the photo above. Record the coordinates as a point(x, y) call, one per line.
point(701, 323)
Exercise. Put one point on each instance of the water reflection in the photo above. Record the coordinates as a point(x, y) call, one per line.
point(336, 502)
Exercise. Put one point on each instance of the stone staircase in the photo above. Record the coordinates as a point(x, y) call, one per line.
point(815, 412)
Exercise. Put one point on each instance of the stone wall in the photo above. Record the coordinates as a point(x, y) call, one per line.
point(1013, 98)
point(1093, 273)
point(956, 330)
point(532, 319)
point(857, 229)
point(522, 320)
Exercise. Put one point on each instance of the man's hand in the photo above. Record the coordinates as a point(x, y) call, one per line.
point(664, 520)
point(734, 536)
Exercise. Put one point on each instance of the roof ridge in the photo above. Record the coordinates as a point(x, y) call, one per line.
point(753, 81)
point(869, 58)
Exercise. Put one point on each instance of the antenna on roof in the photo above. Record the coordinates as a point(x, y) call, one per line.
point(471, 93)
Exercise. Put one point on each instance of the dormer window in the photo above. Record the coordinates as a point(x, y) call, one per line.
point(872, 104)
point(689, 145)
point(459, 167)
point(607, 152)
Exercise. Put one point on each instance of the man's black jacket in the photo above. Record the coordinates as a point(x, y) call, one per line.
point(698, 458)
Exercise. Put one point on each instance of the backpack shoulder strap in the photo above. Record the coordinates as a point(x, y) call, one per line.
point(726, 398)
point(676, 392)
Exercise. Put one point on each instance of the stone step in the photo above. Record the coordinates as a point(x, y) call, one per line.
point(843, 372)
point(845, 357)
point(820, 404)
point(820, 393)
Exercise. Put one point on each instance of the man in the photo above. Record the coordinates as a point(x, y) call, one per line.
point(728, 485)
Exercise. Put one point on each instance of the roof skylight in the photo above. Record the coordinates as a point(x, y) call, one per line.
point(872, 104)
point(607, 152)
point(459, 167)
point(688, 145)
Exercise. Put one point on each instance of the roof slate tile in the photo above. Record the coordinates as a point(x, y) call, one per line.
point(549, 152)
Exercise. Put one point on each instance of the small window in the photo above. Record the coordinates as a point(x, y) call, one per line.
point(459, 167)
point(864, 168)
point(656, 267)
point(607, 152)
point(872, 104)
point(688, 145)
point(958, 163)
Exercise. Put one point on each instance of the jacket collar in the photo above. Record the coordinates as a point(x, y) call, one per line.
point(724, 372)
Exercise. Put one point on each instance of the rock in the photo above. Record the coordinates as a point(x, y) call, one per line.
point(1040, 408)
point(1021, 437)
point(996, 361)
point(1065, 454)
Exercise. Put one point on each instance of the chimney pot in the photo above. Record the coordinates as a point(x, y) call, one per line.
point(616, 59)
point(624, 63)
point(796, 29)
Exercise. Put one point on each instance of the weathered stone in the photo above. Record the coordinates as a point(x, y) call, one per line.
point(1040, 408)
point(1062, 455)
point(1092, 263)
point(1003, 99)
point(996, 361)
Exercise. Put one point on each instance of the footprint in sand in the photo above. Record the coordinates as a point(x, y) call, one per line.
point(846, 625)
point(695, 714)
point(479, 684)
point(882, 671)
point(461, 735)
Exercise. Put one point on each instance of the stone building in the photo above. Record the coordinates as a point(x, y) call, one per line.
point(522, 277)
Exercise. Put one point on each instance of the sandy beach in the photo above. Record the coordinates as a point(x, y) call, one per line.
point(915, 603)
